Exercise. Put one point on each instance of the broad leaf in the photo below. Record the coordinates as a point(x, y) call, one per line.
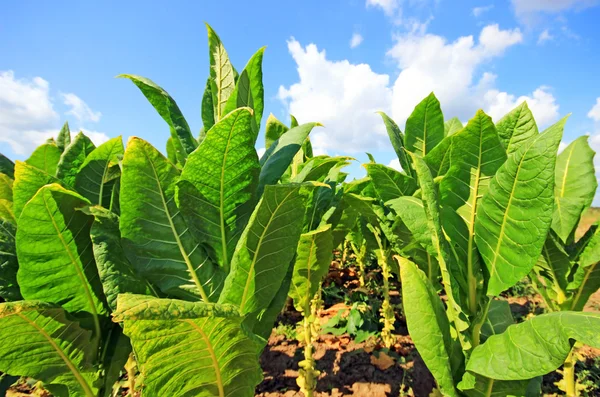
point(221, 73)
point(216, 191)
point(189, 349)
point(167, 108)
point(514, 216)
point(93, 176)
point(249, 91)
point(115, 271)
point(73, 157)
point(265, 249)
point(586, 279)
point(208, 108)
point(64, 137)
point(535, 347)
point(424, 127)
point(45, 157)
point(389, 183)
point(473, 385)
point(397, 140)
point(39, 341)
point(438, 159)
point(575, 185)
point(516, 128)
point(498, 319)
point(56, 262)
point(313, 258)
point(9, 288)
point(156, 237)
point(6, 187)
point(428, 325)
point(28, 180)
point(279, 155)
point(554, 266)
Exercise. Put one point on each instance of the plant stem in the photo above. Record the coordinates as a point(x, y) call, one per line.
point(130, 366)
point(476, 334)
point(387, 311)
point(569, 375)
point(307, 378)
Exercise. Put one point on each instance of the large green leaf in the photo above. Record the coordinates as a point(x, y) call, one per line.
point(279, 155)
point(93, 176)
point(9, 288)
point(274, 129)
point(575, 185)
point(56, 262)
point(6, 187)
point(475, 157)
point(39, 341)
point(397, 139)
point(498, 319)
point(265, 249)
point(514, 216)
point(428, 325)
point(190, 349)
point(45, 157)
point(167, 109)
point(438, 159)
point(586, 279)
point(249, 90)
point(516, 128)
point(64, 137)
point(473, 385)
point(452, 126)
point(216, 192)
point(115, 271)
point(313, 258)
point(7, 166)
point(389, 183)
point(554, 266)
point(73, 157)
point(156, 237)
point(28, 180)
point(535, 347)
point(424, 127)
point(221, 73)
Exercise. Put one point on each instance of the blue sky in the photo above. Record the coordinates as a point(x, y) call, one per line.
point(59, 60)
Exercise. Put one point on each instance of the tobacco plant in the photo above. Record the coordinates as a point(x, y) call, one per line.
point(483, 209)
point(188, 252)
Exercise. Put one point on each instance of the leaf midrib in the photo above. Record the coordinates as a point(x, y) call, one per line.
point(581, 287)
point(62, 355)
point(213, 357)
point(564, 181)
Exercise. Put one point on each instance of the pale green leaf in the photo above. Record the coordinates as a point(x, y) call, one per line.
point(452, 126)
point(389, 183)
point(274, 130)
point(28, 180)
point(45, 157)
point(221, 73)
point(208, 108)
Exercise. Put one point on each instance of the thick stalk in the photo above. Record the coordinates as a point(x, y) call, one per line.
point(387, 311)
point(360, 261)
point(569, 375)
point(308, 374)
point(476, 333)
point(130, 367)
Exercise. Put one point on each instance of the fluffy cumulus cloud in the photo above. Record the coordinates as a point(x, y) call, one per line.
point(79, 109)
point(28, 116)
point(395, 164)
point(544, 36)
point(345, 96)
point(388, 6)
point(356, 40)
point(594, 112)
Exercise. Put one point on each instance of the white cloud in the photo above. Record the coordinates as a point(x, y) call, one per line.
point(541, 102)
point(430, 63)
point(261, 151)
point(388, 6)
point(544, 36)
point(79, 108)
point(356, 40)
point(395, 164)
point(342, 96)
point(523, 7)
point(27, 114)
point(479, 11)
point(594, 112)
point(345, 96)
